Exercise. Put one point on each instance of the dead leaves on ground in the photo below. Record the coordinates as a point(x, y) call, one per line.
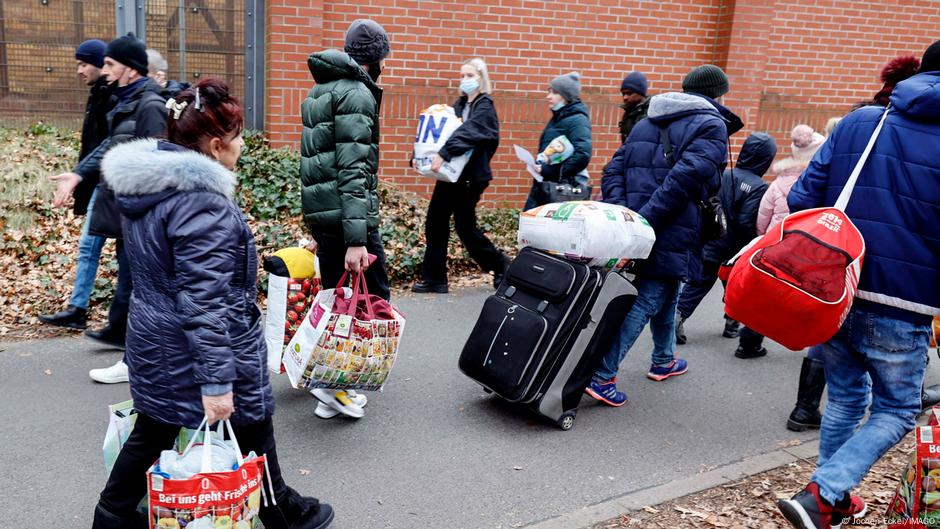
point(751, 503)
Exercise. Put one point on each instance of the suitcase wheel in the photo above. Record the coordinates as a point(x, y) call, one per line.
point(566, 421)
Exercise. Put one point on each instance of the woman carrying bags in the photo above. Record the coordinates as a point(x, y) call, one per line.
point(479, 133)
point(195, 343)
point(570, 119)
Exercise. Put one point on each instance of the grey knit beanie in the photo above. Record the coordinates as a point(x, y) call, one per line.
point(707, 80)
point(366, 42)
point(568, 86)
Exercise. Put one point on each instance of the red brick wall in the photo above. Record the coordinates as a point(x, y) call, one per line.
point(817, 56)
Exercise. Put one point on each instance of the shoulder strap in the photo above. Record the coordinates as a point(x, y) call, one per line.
point(668, 151)
point(846, 193)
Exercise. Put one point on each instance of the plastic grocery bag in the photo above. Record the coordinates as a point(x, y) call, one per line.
point(557, 151)
point(435, 126)
point(121, 419)
point(293, 282)
point(229, 499)
point(348, 340)
point(595, 233)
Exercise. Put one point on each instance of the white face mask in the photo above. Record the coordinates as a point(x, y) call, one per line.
point(558, 106)
point(469, 85)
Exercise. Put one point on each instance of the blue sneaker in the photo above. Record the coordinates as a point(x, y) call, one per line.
point(672, 369)
point(606, 392)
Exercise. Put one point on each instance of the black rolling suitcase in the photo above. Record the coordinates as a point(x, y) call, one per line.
point(539, 339)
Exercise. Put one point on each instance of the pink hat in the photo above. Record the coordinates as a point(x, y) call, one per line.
point(806, 142)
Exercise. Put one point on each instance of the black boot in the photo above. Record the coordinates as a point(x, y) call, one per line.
point(429, 287)
point(108, 335)
point(750, 344)
point(681, 338)
point(732, 328)
point(812, 383)
point(929, 397)
point(498, 275)
point(71, 318)
point(294, 511)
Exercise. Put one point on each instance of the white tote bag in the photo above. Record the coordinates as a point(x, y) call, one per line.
point(436, 124)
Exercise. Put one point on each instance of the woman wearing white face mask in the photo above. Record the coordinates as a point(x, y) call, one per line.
point(479, 133)
point(570, 119)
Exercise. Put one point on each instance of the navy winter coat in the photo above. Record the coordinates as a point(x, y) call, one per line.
point(668, 197)
point(480, 132)
point(194, 327)
point(573, 122)
point(896, 201)
point(741, 191)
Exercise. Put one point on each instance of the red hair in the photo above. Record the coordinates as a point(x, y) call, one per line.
point(219, 115)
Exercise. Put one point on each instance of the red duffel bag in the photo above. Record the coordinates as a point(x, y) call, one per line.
point(796, 283)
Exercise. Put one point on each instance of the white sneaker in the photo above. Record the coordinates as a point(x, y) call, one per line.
point(348, 403)
point(325, 411)
point(110, 375)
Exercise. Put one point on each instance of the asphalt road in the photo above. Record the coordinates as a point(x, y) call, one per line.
point(433, 450)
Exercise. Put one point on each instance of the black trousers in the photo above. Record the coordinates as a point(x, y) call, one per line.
point(460, 200)
point(127, 484)
point(121, 304)
point(332, 253)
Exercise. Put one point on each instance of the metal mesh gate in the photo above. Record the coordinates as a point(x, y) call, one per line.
point(37, 57)
point(199, 38)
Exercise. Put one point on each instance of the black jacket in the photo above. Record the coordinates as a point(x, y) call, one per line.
point(632, 117)
point(573, 122)
point(740, 195)
point(94, 131)
point(480, 132)
point(142, 115)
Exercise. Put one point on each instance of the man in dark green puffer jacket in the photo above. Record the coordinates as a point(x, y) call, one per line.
point(340, 157)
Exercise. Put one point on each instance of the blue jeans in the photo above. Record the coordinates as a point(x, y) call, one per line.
point(89, 253)
point(873, 360)
point(655, 304)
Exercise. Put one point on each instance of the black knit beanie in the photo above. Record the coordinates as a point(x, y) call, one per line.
point(129, 51)
point(366, 42)
point(708, 80)
point(931, 60)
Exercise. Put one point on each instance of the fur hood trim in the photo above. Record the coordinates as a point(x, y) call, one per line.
point(140, 168)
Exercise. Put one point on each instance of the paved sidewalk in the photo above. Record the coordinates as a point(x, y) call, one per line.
point(433, 450)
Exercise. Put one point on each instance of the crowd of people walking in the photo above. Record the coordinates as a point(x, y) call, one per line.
point(155, 174)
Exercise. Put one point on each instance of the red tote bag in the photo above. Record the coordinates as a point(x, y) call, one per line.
point(796, 283)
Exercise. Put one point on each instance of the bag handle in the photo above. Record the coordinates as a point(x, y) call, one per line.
point(206, 465)
point(846, 193)
point(668, 149)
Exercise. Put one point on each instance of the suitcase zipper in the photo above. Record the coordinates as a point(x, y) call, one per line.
point(495, 336)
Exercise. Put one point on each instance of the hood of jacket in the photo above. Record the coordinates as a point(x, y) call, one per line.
point(919, 96)
point(576, 107)
point(757, 153)
point(145, 172)
point(332, 65)
point(668, 107)
point(789, 168)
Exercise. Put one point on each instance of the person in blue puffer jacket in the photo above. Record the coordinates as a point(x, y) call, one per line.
point(668, 197)
point(878, 358)
point(195, 341)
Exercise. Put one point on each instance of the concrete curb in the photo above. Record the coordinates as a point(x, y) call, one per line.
point(636, 500)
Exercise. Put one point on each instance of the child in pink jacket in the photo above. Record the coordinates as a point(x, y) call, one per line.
point(773, 207)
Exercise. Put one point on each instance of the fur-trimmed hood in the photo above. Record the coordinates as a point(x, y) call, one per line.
point(149, 166)
point(664, 107)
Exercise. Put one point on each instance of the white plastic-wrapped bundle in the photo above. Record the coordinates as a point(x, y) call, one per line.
point(595, 233)
point(435, 126)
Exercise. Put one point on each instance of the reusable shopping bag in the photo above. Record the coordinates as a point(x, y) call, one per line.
point(348, 340)
point(436, 124)
point(210, 498)
point(293, 282)
point(916, 502)
point(796, 283)
point(594, 233)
